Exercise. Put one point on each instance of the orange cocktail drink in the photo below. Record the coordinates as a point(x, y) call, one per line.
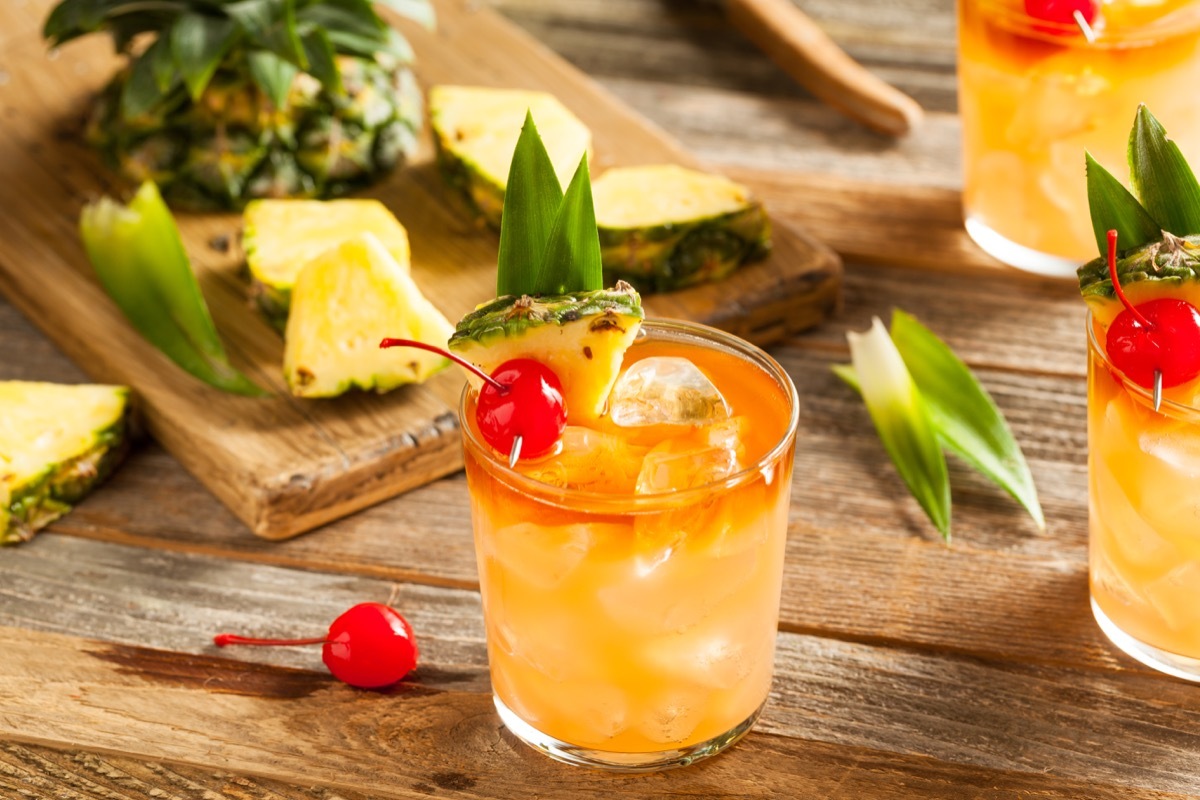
point(1144, 467)
point(1034, 95)
point(631, 579)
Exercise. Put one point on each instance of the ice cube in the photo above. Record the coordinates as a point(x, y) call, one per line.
point(665, 390)
point(1174, 596)
point(540, 556)
point(674, 715)
point(589, 460)
point(685, 462)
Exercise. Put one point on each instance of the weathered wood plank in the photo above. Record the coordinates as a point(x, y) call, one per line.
point(1116, 729)
point(31, 771)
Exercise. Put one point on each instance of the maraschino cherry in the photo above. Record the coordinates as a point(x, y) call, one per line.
point(369, 646)
point(1156, 344)
point(520, 410)
point(1062, 11)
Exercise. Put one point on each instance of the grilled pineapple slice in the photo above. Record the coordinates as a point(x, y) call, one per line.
point(281, 236)
point(343, 303)
point(56, 443)
point(476, 129)
point(664, 227)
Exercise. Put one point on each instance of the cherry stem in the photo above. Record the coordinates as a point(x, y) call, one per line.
point(462, 362)
point(222, 639)
point(1112, 271)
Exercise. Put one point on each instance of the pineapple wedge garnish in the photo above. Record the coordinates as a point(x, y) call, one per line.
point(56, 443)
point(342, 302)
point(475, 131)
point(281, 236)
point(582, 337)
point(663, 227)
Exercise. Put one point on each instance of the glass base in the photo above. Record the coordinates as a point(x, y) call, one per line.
point(1018, 255)
point(1161, 660)
point(616, 761)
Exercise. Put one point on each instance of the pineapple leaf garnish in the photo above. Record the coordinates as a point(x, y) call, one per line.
point(572, 262)
point(531, 200)
point(1161, 177)
point(273, 74)
point(140, 261)
point(1113, 207)
point(962, 413)
point(549, 244)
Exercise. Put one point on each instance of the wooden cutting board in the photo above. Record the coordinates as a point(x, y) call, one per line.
point(285, 465)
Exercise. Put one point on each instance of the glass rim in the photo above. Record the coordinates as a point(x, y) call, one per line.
point(604, 502)
point(1180, 22)
point(1143, 395)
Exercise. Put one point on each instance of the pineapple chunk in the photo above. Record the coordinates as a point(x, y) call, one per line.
point(663, 227)
point(476, 130)
point(281, 236)
point(56, 443)
point(582, 337)
point(344, 302)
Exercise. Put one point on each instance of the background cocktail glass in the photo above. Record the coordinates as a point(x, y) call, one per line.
point(1033, 96)
point(1144, 517)
point(636, 632)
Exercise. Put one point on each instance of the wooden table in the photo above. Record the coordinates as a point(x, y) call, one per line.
point(905, 667)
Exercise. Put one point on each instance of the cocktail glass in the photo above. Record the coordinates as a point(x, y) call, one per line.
point(1034, 95)
point(636, 631)
point(1144, 517)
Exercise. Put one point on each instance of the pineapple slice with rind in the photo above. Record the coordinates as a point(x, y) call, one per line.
point(281, 236)
point(582, 337)
point(1167, 267)
point(344, 302)
point(664, 227)
point(476, 129)
point(56, 443)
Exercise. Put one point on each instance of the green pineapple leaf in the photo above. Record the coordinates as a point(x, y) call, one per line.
point(1161, 177)
point(531, 202)
point(140, 261)
point(354, 17)
point(571, 262)
point(199, 42)
point(319, 52)
point(963, 413)
point(903, 421)
point(272, 74)
point(71, 19)
point(271, 24)
point(1114, 208)
point(420, 11)
point(143, 91)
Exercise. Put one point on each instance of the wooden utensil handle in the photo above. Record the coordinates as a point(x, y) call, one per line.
point(798, 45)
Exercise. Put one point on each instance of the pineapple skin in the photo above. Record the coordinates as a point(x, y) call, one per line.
point(1168, 262)
point(231, 146)
point(31, 501)
point(664, 227)
point(582, 337)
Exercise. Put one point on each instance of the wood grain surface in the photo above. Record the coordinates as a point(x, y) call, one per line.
point(285, 466)
point(905, 668)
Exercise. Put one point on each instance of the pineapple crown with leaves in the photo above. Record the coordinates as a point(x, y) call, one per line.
point(1159, 228)
point(549, 243)
point(274, 39)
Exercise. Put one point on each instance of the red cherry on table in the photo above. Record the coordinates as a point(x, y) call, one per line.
point(1159, 336)
point(522, 399)
point(368, 646)
point(1062, 11)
